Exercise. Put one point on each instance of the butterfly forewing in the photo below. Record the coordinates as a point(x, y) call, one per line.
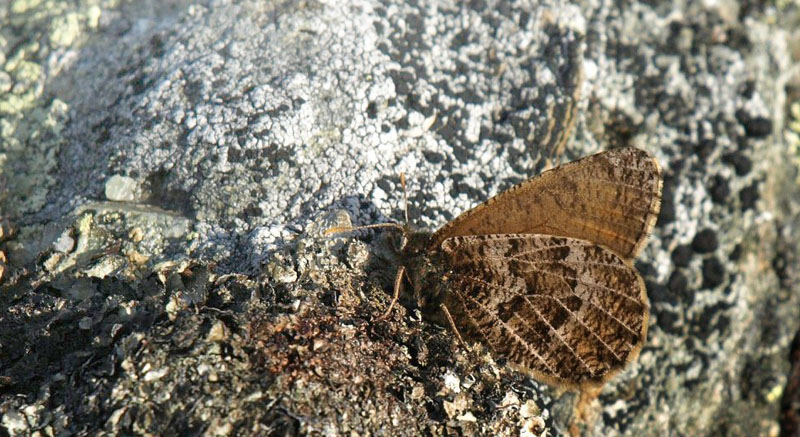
point(569, 310)
point(611, 198)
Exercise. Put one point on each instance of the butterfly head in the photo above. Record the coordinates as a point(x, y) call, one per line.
point(413, 243)
point(423, 269)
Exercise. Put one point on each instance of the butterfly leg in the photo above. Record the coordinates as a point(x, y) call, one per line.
point(398, 284)
point(453, 326)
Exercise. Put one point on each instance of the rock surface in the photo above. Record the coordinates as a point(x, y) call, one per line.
point(170, 169)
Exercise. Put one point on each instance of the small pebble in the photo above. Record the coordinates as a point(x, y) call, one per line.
point(121, 189)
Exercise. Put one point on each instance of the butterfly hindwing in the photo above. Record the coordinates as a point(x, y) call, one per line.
point(567, 309)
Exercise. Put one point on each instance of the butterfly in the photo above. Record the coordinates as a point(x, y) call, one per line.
point(542, 274)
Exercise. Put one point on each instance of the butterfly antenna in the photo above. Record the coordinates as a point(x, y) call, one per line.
point(405, 196)
point(343, 229)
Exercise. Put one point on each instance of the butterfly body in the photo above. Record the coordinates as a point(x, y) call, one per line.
point(542, 274)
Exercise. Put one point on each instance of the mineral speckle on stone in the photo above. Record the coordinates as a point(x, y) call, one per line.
point(121, 188)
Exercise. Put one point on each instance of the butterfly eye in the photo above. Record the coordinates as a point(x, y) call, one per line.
point(396, 243)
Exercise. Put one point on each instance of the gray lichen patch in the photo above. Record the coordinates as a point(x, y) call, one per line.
point(287, 129)
point(112, 237)
point(240, 124)
point(46, 39)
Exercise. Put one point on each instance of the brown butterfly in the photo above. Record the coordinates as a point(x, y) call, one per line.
point(542, 274)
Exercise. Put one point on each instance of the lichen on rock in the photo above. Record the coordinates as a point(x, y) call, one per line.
point(170, 169)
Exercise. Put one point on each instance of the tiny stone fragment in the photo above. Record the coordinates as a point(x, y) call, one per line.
point(533, 427)
point(2, 265)
point(281, 270)
point(14, 422)
point(106, 267)
point(155, 375)
point(120, 189)
point(115, 417)
point(217, 333)
point(357, 254)
point(65, 243)
point(319, 344)
point(51, 263)
point(458, 407)
point(529, 409)
point(452, 382)
point(137, 258)
point(417, 393)
point(467, 417)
